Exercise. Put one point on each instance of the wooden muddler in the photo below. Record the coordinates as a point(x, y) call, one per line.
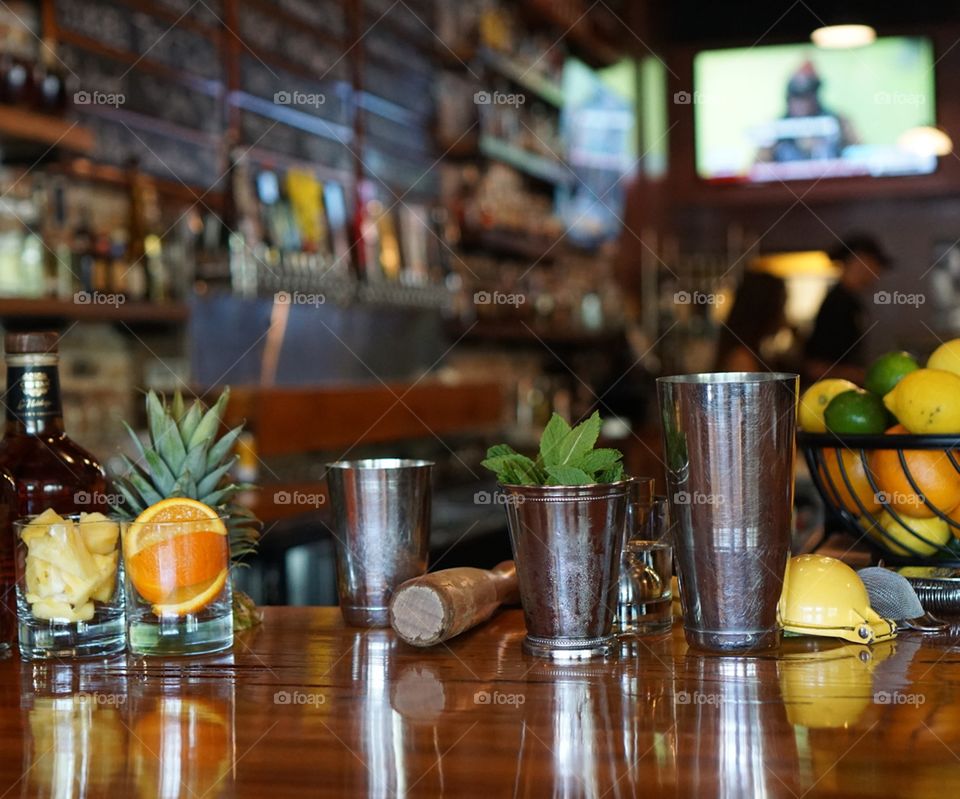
point(427, 610)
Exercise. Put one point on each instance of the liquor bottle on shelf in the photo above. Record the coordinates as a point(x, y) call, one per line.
point(49, 470)
point(51, 80)
point(83, 252)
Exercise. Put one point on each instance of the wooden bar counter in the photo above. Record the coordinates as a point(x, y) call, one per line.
point(304, 706)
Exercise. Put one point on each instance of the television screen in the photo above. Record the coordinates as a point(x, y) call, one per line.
point(798, 112)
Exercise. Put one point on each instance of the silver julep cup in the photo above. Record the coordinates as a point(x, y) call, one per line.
point(381, 520)
point(730, 447)
point(566, 544)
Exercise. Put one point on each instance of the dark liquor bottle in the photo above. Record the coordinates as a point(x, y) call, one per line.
point(49, 470)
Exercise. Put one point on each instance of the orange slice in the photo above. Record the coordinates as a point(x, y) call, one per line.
point(184, 561)
point(167, 518)
point(193, 599)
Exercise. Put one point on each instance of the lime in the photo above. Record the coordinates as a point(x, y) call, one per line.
point(815, 400)
point(885, 372)
point(946, 357)
point(855, 411)
point(926, 401)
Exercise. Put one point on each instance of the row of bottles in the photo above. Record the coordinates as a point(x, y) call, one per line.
point(59, 237)
point(31, 74)
point(40, 466)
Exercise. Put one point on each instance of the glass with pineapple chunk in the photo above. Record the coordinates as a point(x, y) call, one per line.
point(70, 598)
point(176, 556)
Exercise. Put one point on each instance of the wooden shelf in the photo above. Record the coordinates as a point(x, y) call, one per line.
point(82, 169)
point(532, 247)
point(530, 163)
point(528, 79)
point(22, 125)
point(518, 331)
point(12, 308)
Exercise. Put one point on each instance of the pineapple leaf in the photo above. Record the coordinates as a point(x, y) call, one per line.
point(137, 443)
point(210, 424)
point(196, 460)
point(221, 495)
point(223, 446)
point(170, 446)
point(160, 475)
point(176, 406)
point(188, 423)
point(143, 487)
point(212, 479)
point(133, 502)
point(156, 418)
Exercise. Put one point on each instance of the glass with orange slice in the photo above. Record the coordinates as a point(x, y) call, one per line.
point(176, 557)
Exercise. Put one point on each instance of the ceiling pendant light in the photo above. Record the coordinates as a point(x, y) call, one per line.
point(843, 37)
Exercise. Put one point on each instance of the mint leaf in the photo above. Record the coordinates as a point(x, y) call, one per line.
point(552, 438)
point(500, 449)
point(598, 459)
point(576, 444)
point(568, 476)
point(514, 468)
point(612, 474)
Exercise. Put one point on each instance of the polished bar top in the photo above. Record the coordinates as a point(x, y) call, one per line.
point(305, 706)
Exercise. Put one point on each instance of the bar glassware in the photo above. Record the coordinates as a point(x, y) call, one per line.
point(567, 542)
point(177, 574)
point(645, 601)
point(730, 449)
point(381, 520)
point(70, 600)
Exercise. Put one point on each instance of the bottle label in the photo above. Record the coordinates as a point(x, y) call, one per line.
point(33, 392)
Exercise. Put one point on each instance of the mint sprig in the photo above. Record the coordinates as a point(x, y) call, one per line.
point(566, 457)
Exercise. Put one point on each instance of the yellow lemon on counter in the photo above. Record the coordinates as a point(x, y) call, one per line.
point(815, 400)
point(927, 401)
point(924, 537)
point(946, 357)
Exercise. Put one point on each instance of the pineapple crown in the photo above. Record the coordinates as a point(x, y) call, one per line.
point(187, 457)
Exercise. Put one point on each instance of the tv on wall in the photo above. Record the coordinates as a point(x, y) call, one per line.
point(798, 112)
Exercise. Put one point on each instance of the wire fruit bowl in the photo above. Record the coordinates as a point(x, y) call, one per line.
point(840, 467)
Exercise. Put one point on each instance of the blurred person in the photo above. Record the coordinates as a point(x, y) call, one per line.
point(825, 137)
point(757, 315)
point(836, 347)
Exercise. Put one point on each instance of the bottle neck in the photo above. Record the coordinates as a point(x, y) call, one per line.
point(32, 400)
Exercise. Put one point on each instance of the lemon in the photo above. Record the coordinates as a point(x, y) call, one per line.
point(927, 401)
point(934, 530)
point(815, 401)
point(946, 357)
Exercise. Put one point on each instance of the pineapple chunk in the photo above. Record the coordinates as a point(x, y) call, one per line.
point(43, 579)
point(40, 525)
point(99, 534)
point(64, 547)
point(55, 610)
point(107, 570)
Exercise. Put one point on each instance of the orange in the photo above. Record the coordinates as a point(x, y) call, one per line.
point(835, 485)
point(182, 562)
point(932, 471)
point(177, 555)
